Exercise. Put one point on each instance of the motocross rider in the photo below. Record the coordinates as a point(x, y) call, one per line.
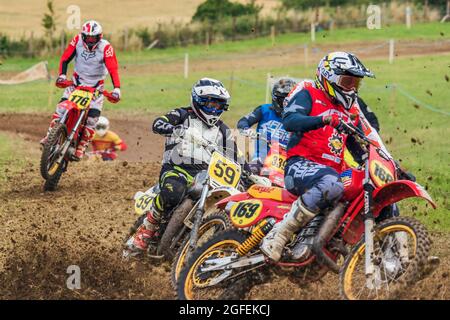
point(94, 59)
point(316, 147)
point(183, 159)
point(370, 116)
point(105, 141)
point(269, 123)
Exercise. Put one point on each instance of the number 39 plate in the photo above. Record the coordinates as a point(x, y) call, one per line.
point(224, 171)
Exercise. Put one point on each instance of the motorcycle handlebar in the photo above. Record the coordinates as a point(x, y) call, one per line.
point(68, 83)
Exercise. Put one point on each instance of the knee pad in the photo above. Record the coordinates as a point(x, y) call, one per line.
point(332, 190)
point(172, 192)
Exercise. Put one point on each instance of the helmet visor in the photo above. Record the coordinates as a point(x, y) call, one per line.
point(349, 83)
point(101, 127)
point(91, 40)
point(213, 106)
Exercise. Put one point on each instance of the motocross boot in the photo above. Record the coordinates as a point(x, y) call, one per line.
point(145, 234)
point(86, 138)
point(55, 119)
point(274, 242)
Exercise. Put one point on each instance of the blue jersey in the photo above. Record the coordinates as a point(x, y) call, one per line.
point(269, 125)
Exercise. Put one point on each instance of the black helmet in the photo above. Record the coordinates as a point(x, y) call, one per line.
point(280, 91)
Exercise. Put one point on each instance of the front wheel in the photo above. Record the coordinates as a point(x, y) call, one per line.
point(51, 152)
point(52, 182)
point(210, 226)
point(197, 283)
point(401, 249)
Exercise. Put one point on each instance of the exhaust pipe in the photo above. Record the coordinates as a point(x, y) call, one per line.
point(324, 234)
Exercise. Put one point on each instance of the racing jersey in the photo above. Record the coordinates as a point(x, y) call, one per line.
point(311, 138)
point(185, 153)
point(269, 125)
point(91, 67)
point(110, 141)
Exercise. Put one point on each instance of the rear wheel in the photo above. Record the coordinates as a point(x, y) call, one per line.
point(51, 152)
point(210, 226)
point(401, 249)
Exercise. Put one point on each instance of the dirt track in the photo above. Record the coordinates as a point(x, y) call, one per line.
point(288, 56)
point(84, 222)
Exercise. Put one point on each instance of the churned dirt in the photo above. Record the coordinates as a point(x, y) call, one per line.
point(84, 222)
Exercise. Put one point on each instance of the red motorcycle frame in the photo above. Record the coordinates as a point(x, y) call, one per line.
point(366, 193)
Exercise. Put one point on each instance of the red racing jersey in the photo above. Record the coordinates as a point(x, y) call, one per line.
point(318, 142)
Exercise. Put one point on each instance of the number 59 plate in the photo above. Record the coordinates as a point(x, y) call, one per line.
point(223, 171)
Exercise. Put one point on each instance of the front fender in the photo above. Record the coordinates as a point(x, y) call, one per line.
point(396, 191)
point(219, 194)
point(235, 198)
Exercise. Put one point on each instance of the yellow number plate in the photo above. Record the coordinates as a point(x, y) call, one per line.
point(276, 162)
point(380, 173)
point(143, 204)
point(81, 98)
point(224, 171)
point(244, 213)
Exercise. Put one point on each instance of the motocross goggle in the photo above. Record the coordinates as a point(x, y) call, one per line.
point(349, 83)
point(101, 127)
point(91, 41)
point(213, 106)
point(278, 101)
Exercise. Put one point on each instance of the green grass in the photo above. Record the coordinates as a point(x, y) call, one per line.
point(400, 120)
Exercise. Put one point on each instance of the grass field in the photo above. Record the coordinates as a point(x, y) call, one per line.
point(114, 15)
point(416, 135)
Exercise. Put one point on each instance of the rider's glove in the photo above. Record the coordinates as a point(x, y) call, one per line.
point(333, 121)
point(115, 95)
point(60, 81)
point(247, 132)
point(336, 122)
point(179, 131)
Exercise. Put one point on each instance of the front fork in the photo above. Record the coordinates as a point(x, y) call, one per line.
point(199, 211)
point(70, 138)
point(369, 230)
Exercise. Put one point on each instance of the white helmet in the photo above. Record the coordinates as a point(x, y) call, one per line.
point(102, 126)
point(91, 33)
point(339, 74)
point(209, 99)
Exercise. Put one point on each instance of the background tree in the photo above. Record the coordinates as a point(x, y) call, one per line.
point(213, 10)
point(49, 22)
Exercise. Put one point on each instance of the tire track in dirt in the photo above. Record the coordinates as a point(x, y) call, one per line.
point(84, 223)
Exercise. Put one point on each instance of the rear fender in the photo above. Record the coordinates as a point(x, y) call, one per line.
point(396, 191)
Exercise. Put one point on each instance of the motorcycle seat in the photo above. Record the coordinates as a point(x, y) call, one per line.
point(272, 193)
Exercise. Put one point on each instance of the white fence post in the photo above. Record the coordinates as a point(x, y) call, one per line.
point(408, 17)
point(268, 87)
point(186, 65)
point(306, 55)
point(272, 35)
point(391, 51)
point(313, 32)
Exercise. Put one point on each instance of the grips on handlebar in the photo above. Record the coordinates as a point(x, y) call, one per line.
point(64, 84)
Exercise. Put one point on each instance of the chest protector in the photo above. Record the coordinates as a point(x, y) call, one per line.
point(324, 145)
point(90, 65)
